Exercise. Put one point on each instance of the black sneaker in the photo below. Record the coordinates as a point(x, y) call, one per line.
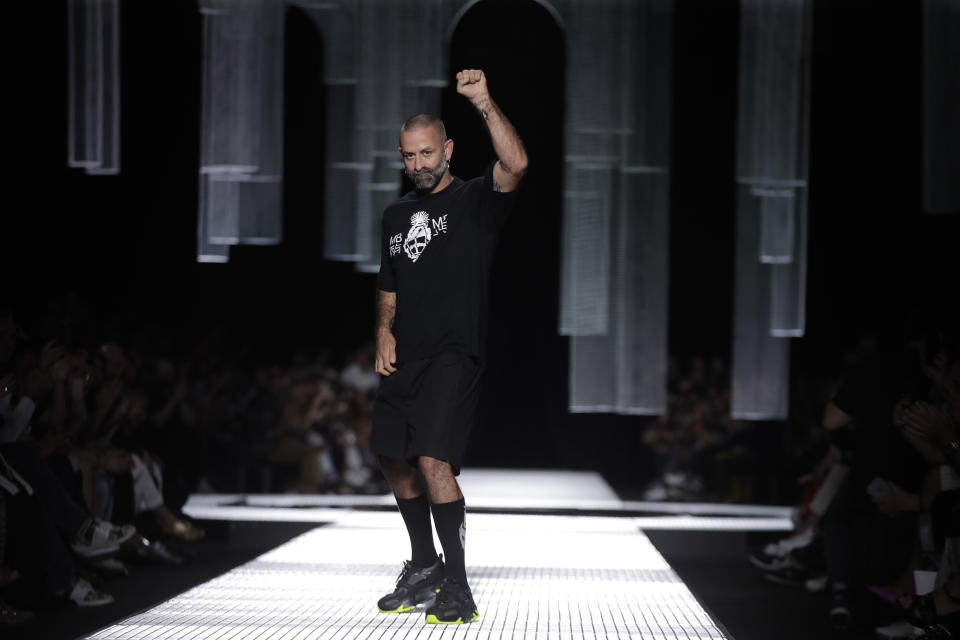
point(840, 616)
point(415, 585)
point(768, 561)
point(454, 604)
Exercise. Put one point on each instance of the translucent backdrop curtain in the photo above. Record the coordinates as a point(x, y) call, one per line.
point(941, 106)
point(93, 53)
point(338, 24)
point(241, 145)
point(616, 203)
point(387, 60)
point(771, 250)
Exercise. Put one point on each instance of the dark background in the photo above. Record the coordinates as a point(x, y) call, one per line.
point(126, 244)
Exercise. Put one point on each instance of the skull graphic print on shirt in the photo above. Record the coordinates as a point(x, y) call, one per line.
point(419, 235)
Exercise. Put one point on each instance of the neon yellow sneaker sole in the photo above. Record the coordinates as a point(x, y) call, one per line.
point(432, 619)
point(400, 609)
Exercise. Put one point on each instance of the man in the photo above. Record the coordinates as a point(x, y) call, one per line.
point(438, 243)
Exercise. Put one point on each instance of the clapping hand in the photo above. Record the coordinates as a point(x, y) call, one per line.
point(925, 421)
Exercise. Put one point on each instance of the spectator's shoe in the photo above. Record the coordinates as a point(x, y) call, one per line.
point(768, 561)
point(788, 576)
point(901, 630)
point(155, 551)
point(939, 631)
point(840, 616)
point(184, 530)
point(784, 546)
point(816, 584)
point(83, 594)
point(108, 566)
point(99, 537)
point(414, 586)
point(921, 611)
point(454, 604)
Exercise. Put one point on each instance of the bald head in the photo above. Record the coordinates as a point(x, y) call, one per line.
point(423, 120)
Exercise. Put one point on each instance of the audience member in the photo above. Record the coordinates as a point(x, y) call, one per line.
point(102, 442)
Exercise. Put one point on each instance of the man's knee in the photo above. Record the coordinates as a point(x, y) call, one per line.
point(433, 468)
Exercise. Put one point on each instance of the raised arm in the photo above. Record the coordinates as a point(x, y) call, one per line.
point(386, 343)
point(511, 156)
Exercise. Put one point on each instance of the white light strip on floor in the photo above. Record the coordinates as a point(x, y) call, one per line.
point(201, 511)
point(709, 508)
point(700, 523)
point(533, 577)
point(506, 489)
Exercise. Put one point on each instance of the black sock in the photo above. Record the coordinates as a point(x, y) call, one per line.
point(416, 515)
point(451, 521)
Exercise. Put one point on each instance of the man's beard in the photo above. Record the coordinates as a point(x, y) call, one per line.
point(427, 179)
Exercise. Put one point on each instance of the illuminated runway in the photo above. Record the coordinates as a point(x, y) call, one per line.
point(533, 576)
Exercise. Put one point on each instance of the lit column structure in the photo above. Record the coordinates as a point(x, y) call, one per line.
point(771, 238)
point(241, 147)
point(93, 56)
point(614, 272)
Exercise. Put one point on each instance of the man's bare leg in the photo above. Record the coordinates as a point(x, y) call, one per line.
point(440, 480)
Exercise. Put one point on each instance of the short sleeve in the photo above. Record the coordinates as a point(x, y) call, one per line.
point(385, 279)
point(496, 206)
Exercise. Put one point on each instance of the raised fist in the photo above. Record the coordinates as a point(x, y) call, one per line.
point(472, 84)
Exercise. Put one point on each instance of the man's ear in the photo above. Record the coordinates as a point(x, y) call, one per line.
point(448, 148)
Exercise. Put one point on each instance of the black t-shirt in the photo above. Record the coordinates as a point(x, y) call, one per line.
point(436, 251)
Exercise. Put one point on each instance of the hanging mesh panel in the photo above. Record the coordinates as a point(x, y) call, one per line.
point(338, 24)
point(371, 90)
point(616, 204)
point(93, 51)
point(771, 250)
point(206, 250)
point(761, 362)
point(241, 148)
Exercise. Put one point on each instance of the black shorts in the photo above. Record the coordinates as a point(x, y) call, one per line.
point(427, 408)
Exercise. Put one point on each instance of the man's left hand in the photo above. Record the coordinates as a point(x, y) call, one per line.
point(472, 84)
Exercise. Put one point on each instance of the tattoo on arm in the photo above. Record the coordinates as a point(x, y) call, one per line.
point(481, 107)
point(505, 141)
